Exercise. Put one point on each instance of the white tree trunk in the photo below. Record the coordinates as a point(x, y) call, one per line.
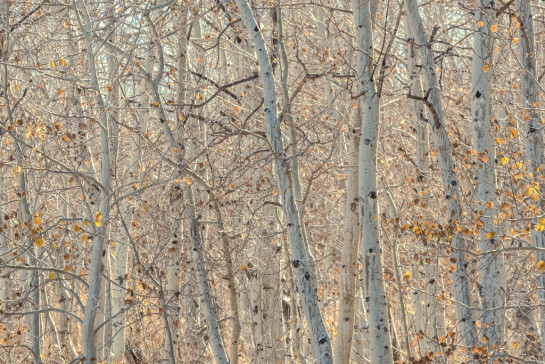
point(461, 280)
point(432, 315)
point(349, 255)
point(95, 272)
point(294, 168)
point(119, 261)
point(371, 250)
point(492, 271)
point(422, 164)
point(306, 282)
point(534, 128)
point(271, 289)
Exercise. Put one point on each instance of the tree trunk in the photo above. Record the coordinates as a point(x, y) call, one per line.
point(350, 251)
point(95, 272)
point(534, 128)
point(461, 281)
point(371, 249)
point(306, 282)
point(492, 272)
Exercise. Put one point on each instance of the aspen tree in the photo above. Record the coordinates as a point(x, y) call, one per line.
point(432, 99)
point(534, 130)
point(306, 282)
point(95, 272)
point(492, 272)
point(371, 249)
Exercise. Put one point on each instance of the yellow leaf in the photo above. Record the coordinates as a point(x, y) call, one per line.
point(485, 159)
point(39, 241)
point(535, 197)
point(98, 219)
point(539, 227)
point(77, 229)
point(540, 266)
point(515, 40)
point(489, 205)
point(51, 275)
point(494, 28)
point(62, 62)
point(480, 23)
point(187, 180)
point(541, 221)
point(242, 267)
point(407, 276)
point(515, 344)
point(52, 64)
point(38, 220)
point(486, 68)
point(528, 191)
point(504, 160)
point(86, 223)
point(84, 237)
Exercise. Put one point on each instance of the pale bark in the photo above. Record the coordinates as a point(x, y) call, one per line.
point(175, 245)
point(292, 318)
point(306, 282)
point(253, 277)
point(361, 326)
point(422, 164)
point(371, 249)
point(115, 331)
point(492, 271)
point(432, 99)
point(432, 315)
point(271, 290)
point(95, 272)
point(534, 131)
point(293, 142)
point(349, 255)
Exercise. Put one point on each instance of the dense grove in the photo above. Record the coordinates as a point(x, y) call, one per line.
point(272, 181)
